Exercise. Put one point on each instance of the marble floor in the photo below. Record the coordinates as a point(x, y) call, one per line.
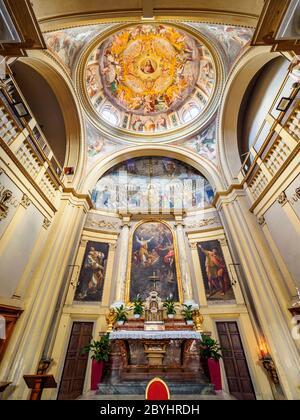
point(220, 395)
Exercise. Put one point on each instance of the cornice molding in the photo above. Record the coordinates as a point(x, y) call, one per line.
point(79, 196)
point(221, 194)
point(208, 16)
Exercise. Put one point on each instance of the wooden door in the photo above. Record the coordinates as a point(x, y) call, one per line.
point(235, 363)
point(73, 377)
point(11, 316)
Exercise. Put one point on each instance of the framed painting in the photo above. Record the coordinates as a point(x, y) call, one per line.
point(215, 275)
point(92, 275)
point(21, 109)
point(153, 263)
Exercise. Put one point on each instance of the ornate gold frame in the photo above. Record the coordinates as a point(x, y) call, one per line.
point(129, 261)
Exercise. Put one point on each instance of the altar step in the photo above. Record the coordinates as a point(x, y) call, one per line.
point(139, 388)
point(170, 375)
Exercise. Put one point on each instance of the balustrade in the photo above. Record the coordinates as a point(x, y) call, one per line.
point(27, 142)
point(272, 148)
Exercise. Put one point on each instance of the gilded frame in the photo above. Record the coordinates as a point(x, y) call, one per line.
point(129, 261)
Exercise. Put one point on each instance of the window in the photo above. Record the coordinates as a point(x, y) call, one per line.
point(190, 113)
point(110, 116)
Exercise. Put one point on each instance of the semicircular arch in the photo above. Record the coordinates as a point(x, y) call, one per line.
point(64, 92)
point(245, 70)
point(206, 168)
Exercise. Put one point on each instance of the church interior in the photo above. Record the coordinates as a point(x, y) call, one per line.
point(149, 199)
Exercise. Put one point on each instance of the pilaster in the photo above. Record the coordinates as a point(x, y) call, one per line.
point(183, 261)
point(123, 244)
point(27, 344)
point(261, 274)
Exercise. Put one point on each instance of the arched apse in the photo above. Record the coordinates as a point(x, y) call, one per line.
point(44, 105)
point(64, 93)
point(245, 70)
point(208, 170)
point(156, 182)
point(257, 101)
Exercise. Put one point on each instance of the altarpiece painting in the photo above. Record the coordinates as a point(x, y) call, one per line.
point(153, 262)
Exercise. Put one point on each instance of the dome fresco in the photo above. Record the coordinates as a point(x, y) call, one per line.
point(149, 70)
point(150, 78)
point(148, 184)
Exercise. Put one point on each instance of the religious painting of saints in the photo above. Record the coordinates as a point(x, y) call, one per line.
point(92, 274)
point(153, 262)
point(214, 271)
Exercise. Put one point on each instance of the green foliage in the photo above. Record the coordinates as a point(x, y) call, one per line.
point(169, 305)
point(100, 349)
point(138, 307)
point(209, 348)
point(121, 313)
point(187, 312)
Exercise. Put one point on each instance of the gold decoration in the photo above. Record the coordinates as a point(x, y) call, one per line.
point(198, 320)
point(201, 223)
point(103, 224)
point(83, 242)
point(25, 201)
point(270, 368)
point(261, 220)
point(282, 199)
point(110, 320)
point(5, 197)
point(46, 223)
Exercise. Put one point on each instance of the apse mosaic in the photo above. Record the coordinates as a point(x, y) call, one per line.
point(150, 78)
point(152, 185)
point(153, 262)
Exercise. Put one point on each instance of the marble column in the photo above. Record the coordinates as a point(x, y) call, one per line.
point(261, 274)
point(183, 263)
point(122, 261)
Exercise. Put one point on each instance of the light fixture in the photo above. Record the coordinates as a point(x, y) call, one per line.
point(284, 104)
point(21, 109)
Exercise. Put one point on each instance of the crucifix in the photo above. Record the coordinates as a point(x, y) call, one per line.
point(155, 278)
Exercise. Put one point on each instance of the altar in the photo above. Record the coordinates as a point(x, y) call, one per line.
point(154, 345)
point(176, 352)
point(161, 348)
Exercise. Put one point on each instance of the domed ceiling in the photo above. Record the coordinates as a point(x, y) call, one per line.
point(149, 79)
point(118, 113)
